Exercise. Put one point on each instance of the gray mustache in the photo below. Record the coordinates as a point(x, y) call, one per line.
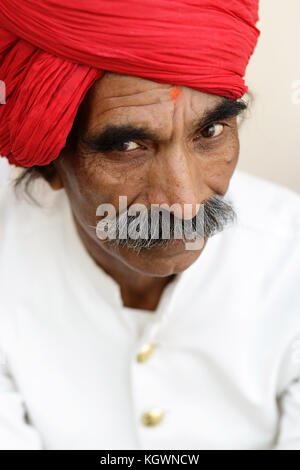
point(160, 227)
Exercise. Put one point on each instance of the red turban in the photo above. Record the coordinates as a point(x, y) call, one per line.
point(52, 51)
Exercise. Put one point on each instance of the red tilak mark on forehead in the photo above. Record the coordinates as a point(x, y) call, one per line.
point(174, 94)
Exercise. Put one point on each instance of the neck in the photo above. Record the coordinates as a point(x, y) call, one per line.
point(137, 290)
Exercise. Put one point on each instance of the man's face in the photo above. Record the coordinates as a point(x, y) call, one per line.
point(168, 145)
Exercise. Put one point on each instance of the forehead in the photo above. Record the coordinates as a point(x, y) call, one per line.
point(129, 98)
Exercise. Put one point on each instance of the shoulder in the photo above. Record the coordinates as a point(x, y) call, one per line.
point(18, 208)
point(263, 259)
point(264, 246)
point(264, 206)
point(21, 215)
point(29, 232)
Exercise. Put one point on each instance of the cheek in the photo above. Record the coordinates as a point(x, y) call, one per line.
point(230, 157)
point(94, 181)
point(219, 168)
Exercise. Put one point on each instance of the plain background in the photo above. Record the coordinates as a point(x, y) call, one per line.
point(270, 135)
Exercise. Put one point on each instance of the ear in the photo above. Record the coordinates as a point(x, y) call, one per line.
point(56, 182)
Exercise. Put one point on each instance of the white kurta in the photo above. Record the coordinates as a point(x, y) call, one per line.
point(225, 366)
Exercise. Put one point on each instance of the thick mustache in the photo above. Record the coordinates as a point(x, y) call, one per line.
point(159, 227)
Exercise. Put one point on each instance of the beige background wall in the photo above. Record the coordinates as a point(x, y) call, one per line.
point(270, 136)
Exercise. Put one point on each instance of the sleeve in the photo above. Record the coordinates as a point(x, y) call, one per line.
point(288, 385)
point(15, 432)
point(288, 437)
point(289, 429)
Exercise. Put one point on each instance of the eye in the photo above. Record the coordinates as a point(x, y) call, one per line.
point(213, 130)
point(129, 145)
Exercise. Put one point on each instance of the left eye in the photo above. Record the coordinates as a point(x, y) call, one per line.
point(212, 131)
point(126, 146)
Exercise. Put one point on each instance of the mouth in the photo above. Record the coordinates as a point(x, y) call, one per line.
point(171, 248)
point(173, 245)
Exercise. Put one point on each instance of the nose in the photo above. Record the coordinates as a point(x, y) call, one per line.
point(177, 184)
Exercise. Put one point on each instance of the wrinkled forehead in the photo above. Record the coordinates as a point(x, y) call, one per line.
point(125, 97)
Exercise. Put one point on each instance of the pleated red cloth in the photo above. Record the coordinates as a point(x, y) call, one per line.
point(52, 51)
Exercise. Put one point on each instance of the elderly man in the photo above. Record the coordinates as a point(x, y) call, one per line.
point(125, 338)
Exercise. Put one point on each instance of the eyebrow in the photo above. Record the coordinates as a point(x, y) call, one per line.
point(120, 133)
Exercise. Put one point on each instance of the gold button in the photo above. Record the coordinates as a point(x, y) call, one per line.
point(145, 352)
point(152, 417)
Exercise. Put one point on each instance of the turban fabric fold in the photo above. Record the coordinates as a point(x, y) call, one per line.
point(53, 51)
